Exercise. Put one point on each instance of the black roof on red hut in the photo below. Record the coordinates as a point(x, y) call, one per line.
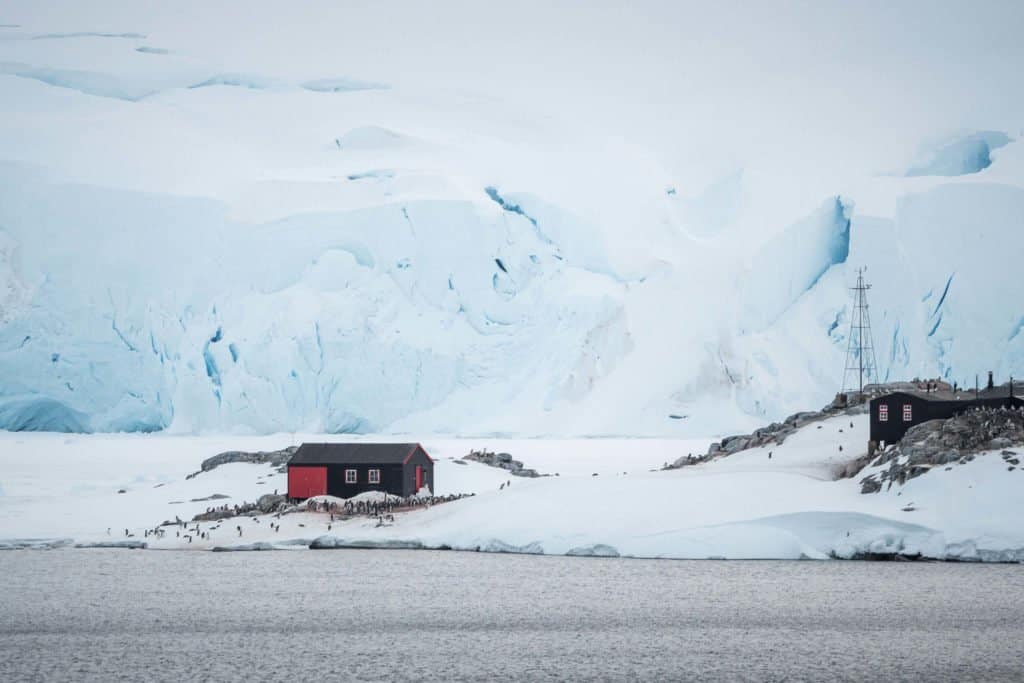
point(355, 453)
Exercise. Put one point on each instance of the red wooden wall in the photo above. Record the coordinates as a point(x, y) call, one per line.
point(306, 482)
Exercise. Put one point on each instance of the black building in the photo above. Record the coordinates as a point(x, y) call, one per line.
point(892, 415)
point(347, 469)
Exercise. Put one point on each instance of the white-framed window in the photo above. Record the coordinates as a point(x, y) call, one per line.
point(351, 477)
point(374, 476)
point(908, 412)
point(883, 413)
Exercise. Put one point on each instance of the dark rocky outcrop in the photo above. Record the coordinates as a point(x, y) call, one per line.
point(939, 443)
point(213, 514)
point(271, 502)
point(278, 459)
point(504, 461)
point(215, 496)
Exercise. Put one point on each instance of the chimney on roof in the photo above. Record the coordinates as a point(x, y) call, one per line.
point(991, 384)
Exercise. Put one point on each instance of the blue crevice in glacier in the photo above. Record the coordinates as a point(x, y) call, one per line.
point(124, 340)
point(501, 265)
point(233, 348)
point(899, 351)
point(89, 34)
point(945, 291)
point(1017, 330)
point(340, 85)
point(408, 221)
point(488, 320)
point(935, 327)
point(212, 371)
point(54, 357)
point(835, 324)
point(839, 246)
point(211, 366)
point(249, 81)
point(969, 154)
point(381, 174)
point(508, 206)
point(319, 347)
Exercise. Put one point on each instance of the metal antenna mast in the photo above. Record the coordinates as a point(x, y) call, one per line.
point(860, 351)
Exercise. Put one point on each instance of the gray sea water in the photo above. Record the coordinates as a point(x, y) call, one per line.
point(106, 615)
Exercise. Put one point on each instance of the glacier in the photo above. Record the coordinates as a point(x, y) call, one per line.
point(333, 237)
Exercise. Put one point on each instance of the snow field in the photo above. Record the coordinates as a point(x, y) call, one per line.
point(741, 506)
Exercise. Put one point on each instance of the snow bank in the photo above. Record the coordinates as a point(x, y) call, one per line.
point(35, 543)
point(243, 547)
point(610, 498)
point(128, 545)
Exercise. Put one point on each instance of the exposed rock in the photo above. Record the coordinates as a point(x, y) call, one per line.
point(273, 503)
point(870, 485)
point(278, 459)
point(503, 461)
point(216, 496)
point(270, 502)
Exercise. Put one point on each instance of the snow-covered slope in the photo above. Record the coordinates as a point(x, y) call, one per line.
point(348, 219)
point(610, 497)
